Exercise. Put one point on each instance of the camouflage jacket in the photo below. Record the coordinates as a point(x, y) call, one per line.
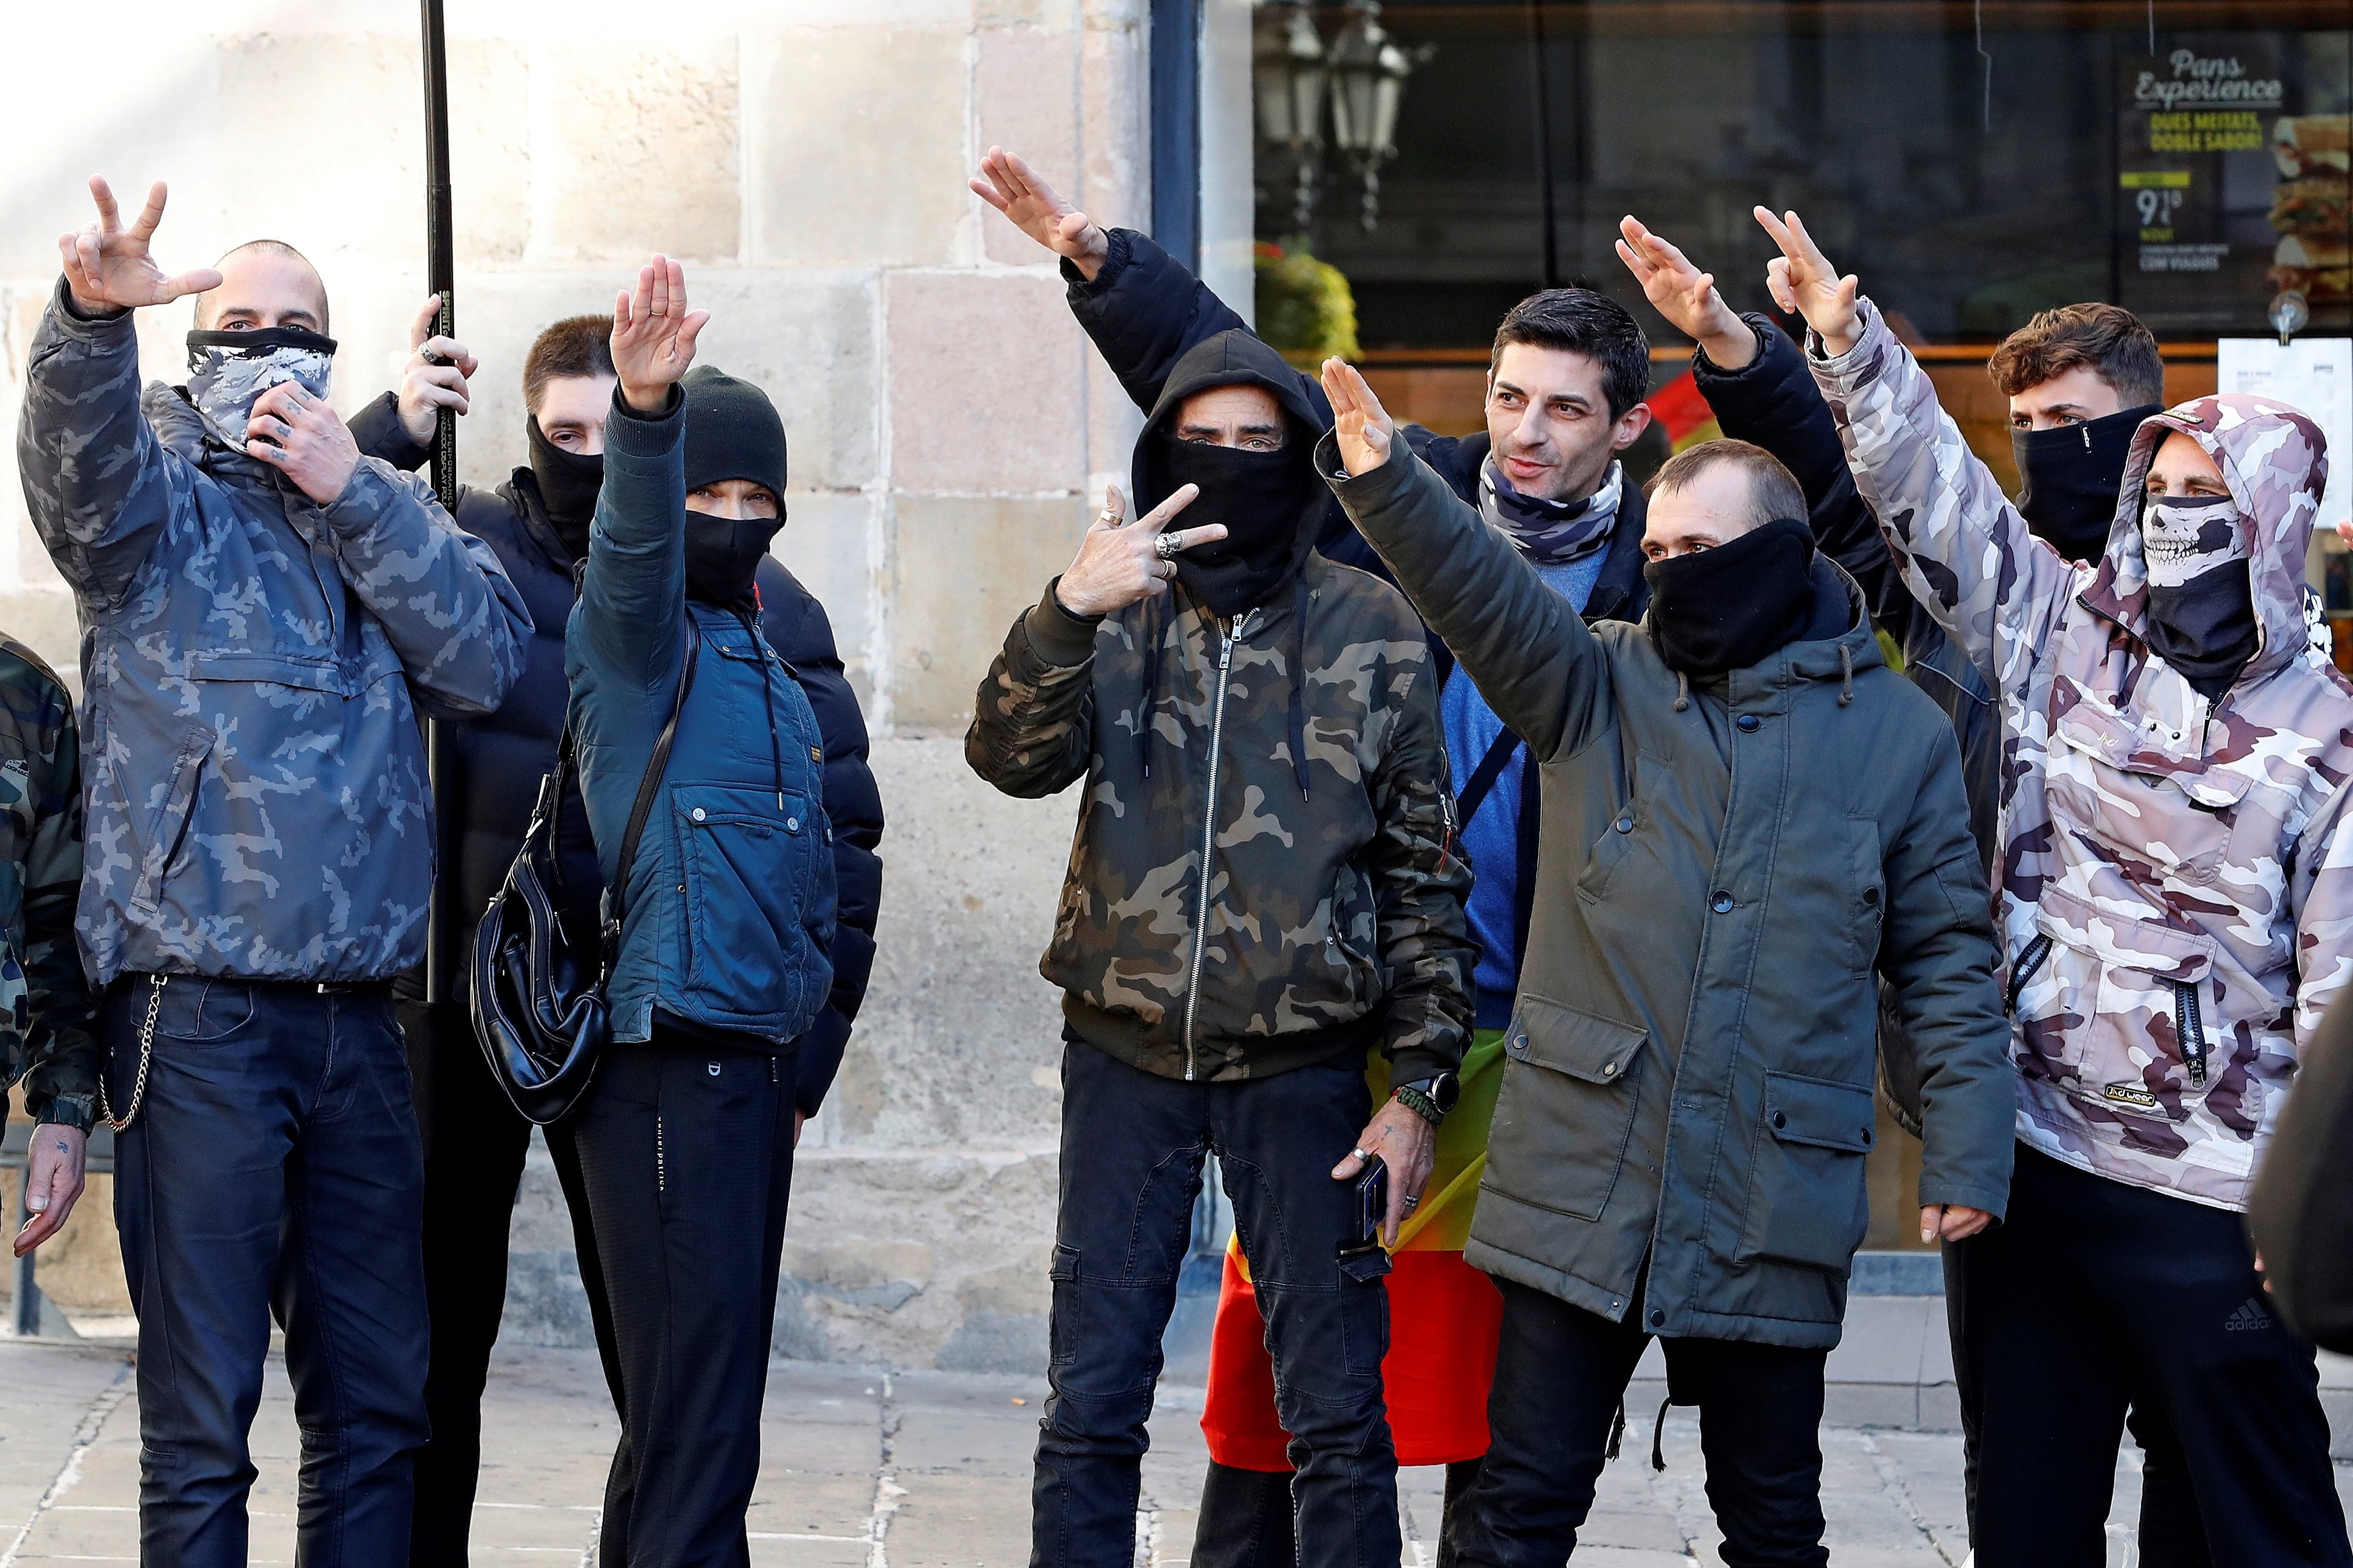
point(1313, 917)
point(44, 1011)
point(257, 800)
point(2172, 887)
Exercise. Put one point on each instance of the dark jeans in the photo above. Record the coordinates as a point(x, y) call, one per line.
point(1245, 1519)
point(1560, 1372)
point(687, 1157)
point(1133, 1144)
point(273, 1168)
point(475, 1144)
point(2094, 1293)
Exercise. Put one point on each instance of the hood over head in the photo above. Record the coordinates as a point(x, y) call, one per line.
point(2274, 461)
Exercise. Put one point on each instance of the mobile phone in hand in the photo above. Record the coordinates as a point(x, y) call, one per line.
point(1372, 1206)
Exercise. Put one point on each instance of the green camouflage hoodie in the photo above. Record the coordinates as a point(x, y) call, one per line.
point(1228, 914)
point(44, 1004)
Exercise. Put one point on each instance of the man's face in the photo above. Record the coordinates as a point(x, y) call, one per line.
point(2181, 470)
point(571, 410)
point(739, 500)
point(1549, 422)
point(1247, 417)
point(1716, 507)
point(262, 289)
point(2074, 396)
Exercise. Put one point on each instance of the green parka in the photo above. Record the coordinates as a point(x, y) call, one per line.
point(1691, 1061)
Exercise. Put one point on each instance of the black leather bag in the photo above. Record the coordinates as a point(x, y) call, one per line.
point(538, 998)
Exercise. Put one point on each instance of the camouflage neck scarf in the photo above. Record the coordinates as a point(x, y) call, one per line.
point(1550, 533)
point(228, 371)
point(2201, 608)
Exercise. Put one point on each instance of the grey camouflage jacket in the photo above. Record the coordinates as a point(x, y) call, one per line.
point(257, 793)
point(2172, 887)
point(1214, 923)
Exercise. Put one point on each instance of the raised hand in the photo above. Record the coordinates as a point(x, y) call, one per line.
point(1009, 184)
point(435, 376)
point(1119, 563)
point(108, 267)
point(653, 335)
point(1802, 279)
point(300, 435)
point(1362, 426)
point(1685, 296)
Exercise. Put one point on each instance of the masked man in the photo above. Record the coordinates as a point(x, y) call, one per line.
point(1679, 1146)
point(2175, 908)
point(1264, 885)
point(261, 608)
point(475, 1142)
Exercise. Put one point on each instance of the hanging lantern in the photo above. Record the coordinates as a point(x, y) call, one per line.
point(1287, 81)
point(1368, 71)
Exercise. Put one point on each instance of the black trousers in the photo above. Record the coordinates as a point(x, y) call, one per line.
point(687, 1158)
point(2094, 1293)
point(1245, 1519)
point(475, 1145)
point(1560, 1373)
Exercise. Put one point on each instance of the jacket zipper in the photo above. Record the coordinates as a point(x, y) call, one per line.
point(2190, 1028)
point(1208, 841)
point(2030, 959)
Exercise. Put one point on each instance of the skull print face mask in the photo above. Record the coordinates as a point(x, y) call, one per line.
point(2201, 610)
point(228, 371)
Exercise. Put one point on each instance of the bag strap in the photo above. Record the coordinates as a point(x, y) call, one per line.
point(648, 787)
point(1482, 778)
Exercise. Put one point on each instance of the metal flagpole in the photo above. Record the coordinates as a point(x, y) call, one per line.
point(440, 277)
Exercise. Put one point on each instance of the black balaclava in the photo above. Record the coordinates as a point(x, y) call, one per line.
point(568, 483)
point(1724, 609)
point(1263, 500)
point(229, 370)
point(2202, 606)
point(2069, 479)
point(732, 433)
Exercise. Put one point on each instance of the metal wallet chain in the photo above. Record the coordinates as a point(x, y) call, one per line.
point(147, 1058)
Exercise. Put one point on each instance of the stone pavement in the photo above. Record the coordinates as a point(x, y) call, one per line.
point(870, 1470)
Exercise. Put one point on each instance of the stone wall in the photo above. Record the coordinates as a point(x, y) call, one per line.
point(807, 159)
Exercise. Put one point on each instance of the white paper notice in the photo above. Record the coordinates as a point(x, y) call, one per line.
point(2314, 375)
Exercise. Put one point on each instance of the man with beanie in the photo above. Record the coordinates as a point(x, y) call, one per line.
point(2174, 902)
point(701, 767)
point(1678, 1150)
point(1265, 885)
point(475, 1141)
point(264, 611)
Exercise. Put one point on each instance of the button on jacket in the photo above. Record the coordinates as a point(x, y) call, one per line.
point(1690, 1068)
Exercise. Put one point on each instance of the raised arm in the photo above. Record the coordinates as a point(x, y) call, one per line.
point(1530, 655)
point(1963, 549)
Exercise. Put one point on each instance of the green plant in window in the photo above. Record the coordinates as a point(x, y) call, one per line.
point(1306, 311)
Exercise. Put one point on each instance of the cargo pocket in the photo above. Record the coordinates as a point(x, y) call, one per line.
point(1064, 1330)
point(2110, 1005)
point(1808, 1204)
point(1566, 1110)
point(746, 871)
point(167, 826)
point(1364, 1308)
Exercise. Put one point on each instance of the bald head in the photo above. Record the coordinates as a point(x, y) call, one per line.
point(264, 283)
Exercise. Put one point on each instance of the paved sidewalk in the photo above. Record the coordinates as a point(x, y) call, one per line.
point(865, 1470)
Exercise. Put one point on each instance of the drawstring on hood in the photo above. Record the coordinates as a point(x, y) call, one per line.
point(1846, 675)
point(1682, 691)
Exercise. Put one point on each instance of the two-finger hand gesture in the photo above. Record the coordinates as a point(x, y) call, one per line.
point(107, 267)
point(1685, 296)
point(300, 435)
point(1008, 183)
point(1364, 428)
point(653, 335)
point(435, 376)
point(1119, 563)
point(1802, 279)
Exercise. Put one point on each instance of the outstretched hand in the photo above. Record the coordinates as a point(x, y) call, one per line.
point(1802, 279)
point(1119, 563)
point(653, 335)
point(1008, 183)
point(1685, 296)
point(1362, 426)
point(108, 267)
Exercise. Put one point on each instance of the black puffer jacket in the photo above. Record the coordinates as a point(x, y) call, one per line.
point(499, 758)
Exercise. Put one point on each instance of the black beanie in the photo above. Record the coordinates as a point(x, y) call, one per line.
point(732, 432)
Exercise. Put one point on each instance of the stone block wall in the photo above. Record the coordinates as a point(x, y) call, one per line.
point(947, 423)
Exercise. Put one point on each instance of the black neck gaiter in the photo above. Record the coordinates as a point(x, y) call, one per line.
point(2069, 477)
point(722, 553)
point(568, 483)
point(1263, 499)
point(1725, 608)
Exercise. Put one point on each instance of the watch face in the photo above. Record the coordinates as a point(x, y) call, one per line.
point(1444, 1090)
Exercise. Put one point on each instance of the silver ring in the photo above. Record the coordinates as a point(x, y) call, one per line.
point(1362, 1153)
point(1413, 1200)
point(1107, 519)
point(1167, 546)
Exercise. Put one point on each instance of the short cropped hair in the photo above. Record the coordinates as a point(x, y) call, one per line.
point(576, 345)
point(268, 247)
point(1587, 322)
point(2114, 342)
point(1771, 486)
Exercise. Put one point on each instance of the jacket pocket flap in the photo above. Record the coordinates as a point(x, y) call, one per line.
point(277, 668)
point(739, 805)
point(1598, 1050)
point(2123, 939)
point(1818, 1112)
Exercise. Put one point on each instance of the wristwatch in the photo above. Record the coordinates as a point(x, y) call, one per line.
point(1431, 1098)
